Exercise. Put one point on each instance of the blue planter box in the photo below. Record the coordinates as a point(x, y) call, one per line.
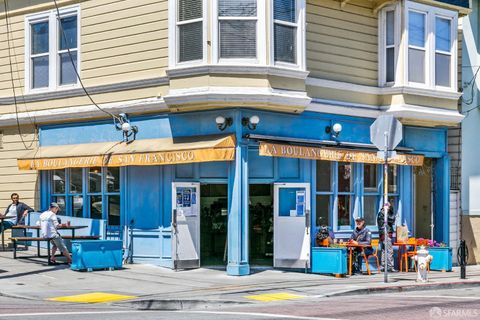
point(442, 258)
point(96, 254)
point(329, 260)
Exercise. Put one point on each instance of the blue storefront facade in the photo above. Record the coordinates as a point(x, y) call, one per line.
point(244, 196)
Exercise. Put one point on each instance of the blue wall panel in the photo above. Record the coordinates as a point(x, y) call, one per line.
point(213, 170)
point(185, 171)
point(144, 196)
point(258, 166)
point(425, 139)
point(288, 168)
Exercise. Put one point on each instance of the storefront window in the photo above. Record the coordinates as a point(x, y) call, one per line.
point(371, 193)
point(58, 177)
point(392, 179)
point(95, 180)
point(323, 210)
point(88, 192)
point(345, 177)
point(324, 176)
point(344, 210)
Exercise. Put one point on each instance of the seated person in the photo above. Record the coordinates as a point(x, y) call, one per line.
point(360, 235)
point(324, 237)
point(15, 213)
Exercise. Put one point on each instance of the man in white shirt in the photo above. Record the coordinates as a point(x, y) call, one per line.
point(15, 213)
point(48, 225)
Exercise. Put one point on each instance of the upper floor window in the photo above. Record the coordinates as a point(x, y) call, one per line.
point(237, 28)
point(190, 30)
point(429, 50)
point(285, 31)
point(237, 32)
point(52, 50)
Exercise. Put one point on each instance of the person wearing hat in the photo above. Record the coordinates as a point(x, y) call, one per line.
point(381, 232)
point(360, 235)
point(49, 224)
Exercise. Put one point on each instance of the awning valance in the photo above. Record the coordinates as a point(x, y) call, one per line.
point(146, 152)
point(334, 154)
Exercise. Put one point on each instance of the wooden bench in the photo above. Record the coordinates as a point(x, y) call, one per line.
point(15, 241)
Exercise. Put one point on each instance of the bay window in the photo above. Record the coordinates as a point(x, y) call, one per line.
point(428, 52)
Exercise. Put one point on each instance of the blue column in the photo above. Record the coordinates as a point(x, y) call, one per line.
point(407, 194)
point(238, 207)
point(442, 200)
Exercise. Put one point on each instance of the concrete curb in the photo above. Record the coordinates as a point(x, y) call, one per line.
point(406, 288)
point(177, 304)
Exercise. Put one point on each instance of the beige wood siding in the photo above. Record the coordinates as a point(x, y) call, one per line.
point(121, 40)
point(342, 43)
point(25, 183)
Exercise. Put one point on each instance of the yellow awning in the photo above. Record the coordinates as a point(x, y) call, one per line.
point(334, 154)
point(148, 152)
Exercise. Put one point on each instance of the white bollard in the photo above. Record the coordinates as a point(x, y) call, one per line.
point(423, 259)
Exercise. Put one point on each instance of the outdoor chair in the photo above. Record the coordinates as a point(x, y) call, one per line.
point(375, 245)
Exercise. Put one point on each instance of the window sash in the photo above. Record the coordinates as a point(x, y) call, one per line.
point(55, 36)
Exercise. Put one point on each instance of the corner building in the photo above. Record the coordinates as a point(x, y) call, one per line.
point(236, 161)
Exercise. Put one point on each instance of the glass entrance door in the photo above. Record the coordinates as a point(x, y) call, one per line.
point(261, 224)
point(213, 224)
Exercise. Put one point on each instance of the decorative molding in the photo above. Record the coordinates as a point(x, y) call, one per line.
point(84, 112)
point(425, 113)
point(60, 94)
point(338, 85)
point(255, 95)
point(237, 69)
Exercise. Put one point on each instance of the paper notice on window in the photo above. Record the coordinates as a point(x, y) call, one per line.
point(300, 203)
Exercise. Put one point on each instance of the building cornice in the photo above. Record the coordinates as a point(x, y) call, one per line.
point(357, 88)
point(237, 69)
point(78, 92)
point(84, 112)
point(237, 95)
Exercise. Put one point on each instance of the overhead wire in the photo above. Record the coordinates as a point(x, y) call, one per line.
point(74, 66)
point(12, 79)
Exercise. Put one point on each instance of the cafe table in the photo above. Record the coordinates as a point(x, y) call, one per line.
point(38, 228)
point(351, 247)
point(403, 253)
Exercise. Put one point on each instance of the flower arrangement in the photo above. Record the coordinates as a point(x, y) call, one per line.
point(431, 243)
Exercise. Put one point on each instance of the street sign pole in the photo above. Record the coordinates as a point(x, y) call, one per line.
point(385, 208)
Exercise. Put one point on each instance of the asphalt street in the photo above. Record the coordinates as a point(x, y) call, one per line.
point(436, 304)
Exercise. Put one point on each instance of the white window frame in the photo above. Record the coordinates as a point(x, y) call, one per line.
point(382, 48)
point(174, 45)
point(261, 36)
point(301, 42)
point(53, 50)
point(431, 13)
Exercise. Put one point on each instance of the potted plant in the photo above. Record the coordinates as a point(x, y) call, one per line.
point(442, 256)
point(331, 259)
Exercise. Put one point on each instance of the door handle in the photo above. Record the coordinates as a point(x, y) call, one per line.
point(307, 219)
point(174, 218)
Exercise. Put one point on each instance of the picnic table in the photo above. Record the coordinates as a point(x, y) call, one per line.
point(38, 238)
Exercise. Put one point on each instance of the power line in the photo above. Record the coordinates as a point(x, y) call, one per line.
point(12, 80)
point(75, 67)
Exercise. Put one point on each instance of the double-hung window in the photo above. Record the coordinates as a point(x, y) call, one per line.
point(52, 50)
point(429, 52)
point(432, 46)
point(417, 46)
point(190, 30)
point(285, 31)
point(237, 29)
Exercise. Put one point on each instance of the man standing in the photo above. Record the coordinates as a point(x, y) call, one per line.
point(15, 213)
point(49, 224)
point(363, 236)
point(381, 233)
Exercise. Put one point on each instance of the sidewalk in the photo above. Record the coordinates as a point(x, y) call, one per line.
point(154, 287)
